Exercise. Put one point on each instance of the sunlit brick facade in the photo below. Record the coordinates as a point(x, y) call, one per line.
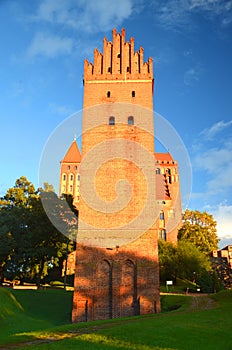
point(120, 279)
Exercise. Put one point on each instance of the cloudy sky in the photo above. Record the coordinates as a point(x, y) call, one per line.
point(45, 42)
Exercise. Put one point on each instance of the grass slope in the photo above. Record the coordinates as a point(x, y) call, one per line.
point(27, 310)
point(199, 323)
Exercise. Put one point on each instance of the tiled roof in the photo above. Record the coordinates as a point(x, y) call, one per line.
point(73, 154)
point(164, 157)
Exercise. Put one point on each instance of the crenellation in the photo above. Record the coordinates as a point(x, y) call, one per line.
point(136, 63)
point(131, 63)
point(141, 58)
point(150, 66)
point(118, 61)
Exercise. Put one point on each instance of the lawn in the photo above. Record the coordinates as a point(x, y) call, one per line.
point(194, 323)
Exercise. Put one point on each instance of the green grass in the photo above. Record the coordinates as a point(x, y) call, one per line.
point(198, 323)
point(27, 310)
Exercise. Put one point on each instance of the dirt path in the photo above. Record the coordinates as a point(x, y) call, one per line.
point(201, 303)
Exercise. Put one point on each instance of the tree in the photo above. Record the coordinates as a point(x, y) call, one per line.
point(14, 213)
point(200, 229)
point(32, 244)
point(167, 261)
point(183, 261)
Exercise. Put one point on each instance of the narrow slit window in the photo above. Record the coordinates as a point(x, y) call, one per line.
point(133, 93)
point(111, 121)
point(130, 120)
point(108, 94)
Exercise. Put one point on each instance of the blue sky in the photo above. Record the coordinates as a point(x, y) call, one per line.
point(45, 42)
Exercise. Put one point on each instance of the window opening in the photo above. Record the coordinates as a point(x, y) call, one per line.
point(111, 121)
point(130, 120)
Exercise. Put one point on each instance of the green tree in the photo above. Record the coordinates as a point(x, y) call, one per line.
point(167, 261)
point(183, 260)
point(190, 261)
point(33, 244)
point(200, 229)
point(15, 207)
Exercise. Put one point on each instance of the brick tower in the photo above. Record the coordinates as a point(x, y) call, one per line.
point(117, 271)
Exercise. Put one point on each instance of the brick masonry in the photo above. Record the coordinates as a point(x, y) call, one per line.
point(120, 279)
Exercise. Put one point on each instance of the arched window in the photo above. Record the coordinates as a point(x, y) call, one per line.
point(111, 121)
point(157, 170)
point(130, 120)
point(108, 94)
point(133, 93)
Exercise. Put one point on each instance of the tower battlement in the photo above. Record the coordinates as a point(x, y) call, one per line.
point(118, 61)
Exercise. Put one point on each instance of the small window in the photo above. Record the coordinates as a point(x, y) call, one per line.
point(162, 235)
point(119, 55)
point(161, 215)
point(68, 167)
point(64, 177)
point(133, 93)
point(111, 121)
point(71, 177)
point(158, 171)
point(128, 69)
point(109, 69)
point(75, 167)
point(130, 120)
point(71, 188)
point(108, 94)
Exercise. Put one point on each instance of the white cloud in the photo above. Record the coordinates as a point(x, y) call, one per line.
point(191, 76)
point(217, 162)
point(176, 14)
point(223, 215)
point(87, 15)
point(60, 110)
point(216, 128)
point(49, 45)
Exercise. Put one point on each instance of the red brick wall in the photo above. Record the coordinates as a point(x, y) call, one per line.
point(123, 280)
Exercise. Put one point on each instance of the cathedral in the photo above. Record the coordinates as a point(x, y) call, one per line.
point(127, 195)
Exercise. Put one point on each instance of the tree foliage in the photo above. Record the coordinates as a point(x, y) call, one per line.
point(200, 229)
point(184, 261)
point(30, 243)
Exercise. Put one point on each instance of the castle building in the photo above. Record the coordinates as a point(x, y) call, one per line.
point(127, 195)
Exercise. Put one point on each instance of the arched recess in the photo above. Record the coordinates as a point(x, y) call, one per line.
point(129, 299)
point(103, 290)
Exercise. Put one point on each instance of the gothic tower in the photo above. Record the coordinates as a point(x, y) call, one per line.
point(126, 191)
